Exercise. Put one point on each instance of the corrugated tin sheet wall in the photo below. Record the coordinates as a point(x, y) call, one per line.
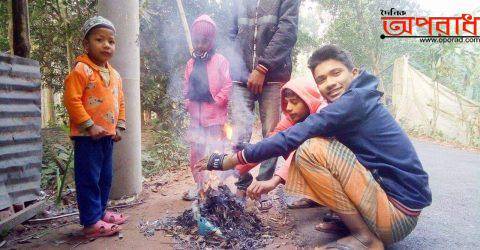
point(20, 140)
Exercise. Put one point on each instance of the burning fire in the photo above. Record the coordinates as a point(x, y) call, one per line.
point(211, 178)
point(228, 131)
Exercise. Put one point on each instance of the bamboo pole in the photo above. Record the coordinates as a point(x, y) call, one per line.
point(181, 12)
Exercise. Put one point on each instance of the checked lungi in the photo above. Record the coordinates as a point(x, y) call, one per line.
point(326, 171)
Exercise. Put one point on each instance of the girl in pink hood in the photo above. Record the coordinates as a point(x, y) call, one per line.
point(206, 89)
point(300, 98)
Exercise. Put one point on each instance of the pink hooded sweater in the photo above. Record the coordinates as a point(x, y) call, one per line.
point(306, 89)
point(218, 69)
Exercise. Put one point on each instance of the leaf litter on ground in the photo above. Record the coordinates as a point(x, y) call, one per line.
point(240, 229)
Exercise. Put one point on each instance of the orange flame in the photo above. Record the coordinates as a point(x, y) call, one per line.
point(211, 181)
point(228, 131)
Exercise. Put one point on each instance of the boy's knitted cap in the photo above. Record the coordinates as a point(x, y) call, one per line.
point(95, 21)
point(204, 25)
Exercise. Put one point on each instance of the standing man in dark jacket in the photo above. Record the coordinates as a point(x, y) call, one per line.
point(263, 33)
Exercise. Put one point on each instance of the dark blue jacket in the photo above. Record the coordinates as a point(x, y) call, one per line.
point(273, 27)
point(360, 122)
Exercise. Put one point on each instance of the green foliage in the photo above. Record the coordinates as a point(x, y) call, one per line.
point(357, 26)
point(57, 161)
point(455, 65)
point(56, 168)
point(4, 16)
point(168, 151)
point(61, 115)
point(64, 162)
point(55, 36)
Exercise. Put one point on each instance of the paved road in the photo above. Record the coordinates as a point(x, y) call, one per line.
point(451, 222)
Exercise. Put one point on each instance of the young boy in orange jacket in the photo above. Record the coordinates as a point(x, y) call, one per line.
point(94, 100)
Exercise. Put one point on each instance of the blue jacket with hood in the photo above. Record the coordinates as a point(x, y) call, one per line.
point(360, 122)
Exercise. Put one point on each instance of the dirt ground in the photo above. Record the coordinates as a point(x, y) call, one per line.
point(161, 198)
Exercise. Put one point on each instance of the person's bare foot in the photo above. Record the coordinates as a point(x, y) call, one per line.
point(361, 236)
point(334, 227)
point(356, 242)
point(302, 203)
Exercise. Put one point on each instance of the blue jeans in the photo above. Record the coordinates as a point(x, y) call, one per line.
point(242, 107)
point(93, 177)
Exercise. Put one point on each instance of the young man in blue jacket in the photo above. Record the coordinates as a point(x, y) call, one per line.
point(352, 157)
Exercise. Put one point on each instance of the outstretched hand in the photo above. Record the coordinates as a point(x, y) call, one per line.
point(201, 165)
point(220, 162)
point(257, 188)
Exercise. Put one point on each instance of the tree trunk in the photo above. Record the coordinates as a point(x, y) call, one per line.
point(10, 26)
point(69, 53)
point(48, 103)
point(21, 36)
point(62, 9)
point(48, 109)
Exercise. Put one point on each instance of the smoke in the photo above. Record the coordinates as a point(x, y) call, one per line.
point(165, 52)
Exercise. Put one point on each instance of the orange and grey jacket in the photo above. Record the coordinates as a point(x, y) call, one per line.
point(89, 100)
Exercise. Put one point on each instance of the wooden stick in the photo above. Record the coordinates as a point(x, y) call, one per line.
point(127, 205)
point(53, 218)
point(75, 213)
point(181, 11)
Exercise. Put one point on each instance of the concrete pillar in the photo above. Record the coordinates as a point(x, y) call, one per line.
point(127, 175)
